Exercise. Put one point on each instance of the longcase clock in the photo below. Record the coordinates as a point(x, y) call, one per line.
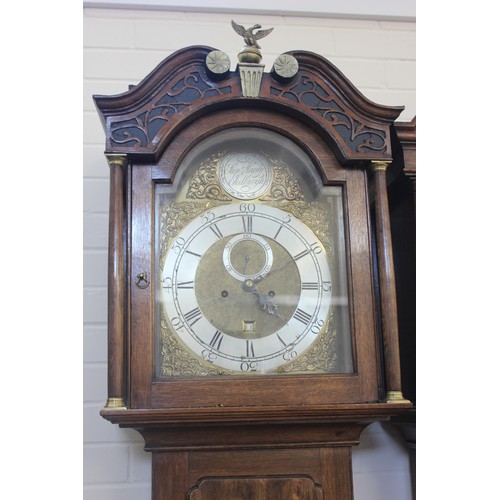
point(252, 329)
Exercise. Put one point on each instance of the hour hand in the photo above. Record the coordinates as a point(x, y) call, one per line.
point(266, 305)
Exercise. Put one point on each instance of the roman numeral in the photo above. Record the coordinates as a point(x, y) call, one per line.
point(250, 350)
point(185, 284)
point(193, 253)
point(278, 232)
point(215, 229)
point(301, 254)
point(216, 340)
point(309, 285)
point(247, 223)
point(314, 247)
point(193, 316)
point(302, 316)
point(282, 341)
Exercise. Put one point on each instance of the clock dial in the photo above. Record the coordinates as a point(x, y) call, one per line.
point(251, 268)
point(247, 287)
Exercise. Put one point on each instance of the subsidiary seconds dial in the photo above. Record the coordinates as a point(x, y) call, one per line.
point(246, 287)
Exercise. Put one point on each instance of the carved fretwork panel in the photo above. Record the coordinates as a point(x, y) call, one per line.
point(354, 135)
point(260, 488)
point(142, 129)
point(178, 87)
point(359, 127)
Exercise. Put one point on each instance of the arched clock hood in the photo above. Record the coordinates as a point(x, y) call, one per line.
point(143, 120)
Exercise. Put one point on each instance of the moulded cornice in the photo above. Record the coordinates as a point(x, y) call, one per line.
point(141, 121)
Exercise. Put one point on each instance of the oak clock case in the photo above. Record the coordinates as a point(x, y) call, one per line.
point(250, 257)
point(244, 319)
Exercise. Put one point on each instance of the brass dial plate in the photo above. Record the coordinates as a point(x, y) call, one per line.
point(255, 322)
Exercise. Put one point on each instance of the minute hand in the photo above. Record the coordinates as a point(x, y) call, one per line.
point(260, 278)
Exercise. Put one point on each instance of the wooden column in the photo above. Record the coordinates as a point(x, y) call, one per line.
point(387, 285)
point(116, 284)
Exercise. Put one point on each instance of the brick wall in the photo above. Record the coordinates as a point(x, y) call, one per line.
point(120, 48)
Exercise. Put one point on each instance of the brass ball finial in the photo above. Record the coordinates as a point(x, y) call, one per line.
point(249, 55)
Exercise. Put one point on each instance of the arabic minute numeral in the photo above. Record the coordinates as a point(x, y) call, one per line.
point(177, 323)
point(316, 248)
point(286, 220)
point(289, 355)
point(208, 217)
point(179, 243)
point(248, 366)
point(167, 283)
point(247, 207)
point(208, 355)
point(316, 328)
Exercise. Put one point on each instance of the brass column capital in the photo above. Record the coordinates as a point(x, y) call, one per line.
point(116, 159)
point(379, 166)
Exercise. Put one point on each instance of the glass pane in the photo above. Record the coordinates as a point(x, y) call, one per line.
point(251, 262)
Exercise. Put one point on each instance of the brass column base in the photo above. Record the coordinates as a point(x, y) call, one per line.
point(115, 403)
point(396, 397)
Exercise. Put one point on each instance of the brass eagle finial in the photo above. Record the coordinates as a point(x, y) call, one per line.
point(248, 35)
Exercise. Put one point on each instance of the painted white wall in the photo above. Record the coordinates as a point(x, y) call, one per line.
point(121, 46)
point(396, 10)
